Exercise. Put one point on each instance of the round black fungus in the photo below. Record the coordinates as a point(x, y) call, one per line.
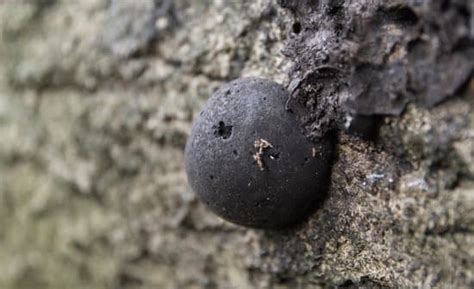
point(248, 160)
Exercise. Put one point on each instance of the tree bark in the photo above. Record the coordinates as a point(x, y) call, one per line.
point(96, 103)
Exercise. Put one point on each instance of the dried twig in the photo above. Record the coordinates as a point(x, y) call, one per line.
point(260, 145)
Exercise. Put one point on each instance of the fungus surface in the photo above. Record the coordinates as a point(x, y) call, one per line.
point(248, 160)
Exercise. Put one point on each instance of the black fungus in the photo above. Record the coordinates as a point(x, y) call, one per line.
point(248, 160)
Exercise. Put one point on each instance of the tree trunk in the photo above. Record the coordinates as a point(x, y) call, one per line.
point(96, 103)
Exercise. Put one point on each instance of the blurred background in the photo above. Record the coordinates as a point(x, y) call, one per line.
point(96, 101)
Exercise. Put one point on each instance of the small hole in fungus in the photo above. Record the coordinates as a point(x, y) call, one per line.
point(222, 130)
point(235, 152)
point(264, 98)
point(211, 177)
point(306, 160)
point(296, 27)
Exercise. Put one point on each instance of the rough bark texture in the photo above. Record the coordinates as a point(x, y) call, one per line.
point(96, 102)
